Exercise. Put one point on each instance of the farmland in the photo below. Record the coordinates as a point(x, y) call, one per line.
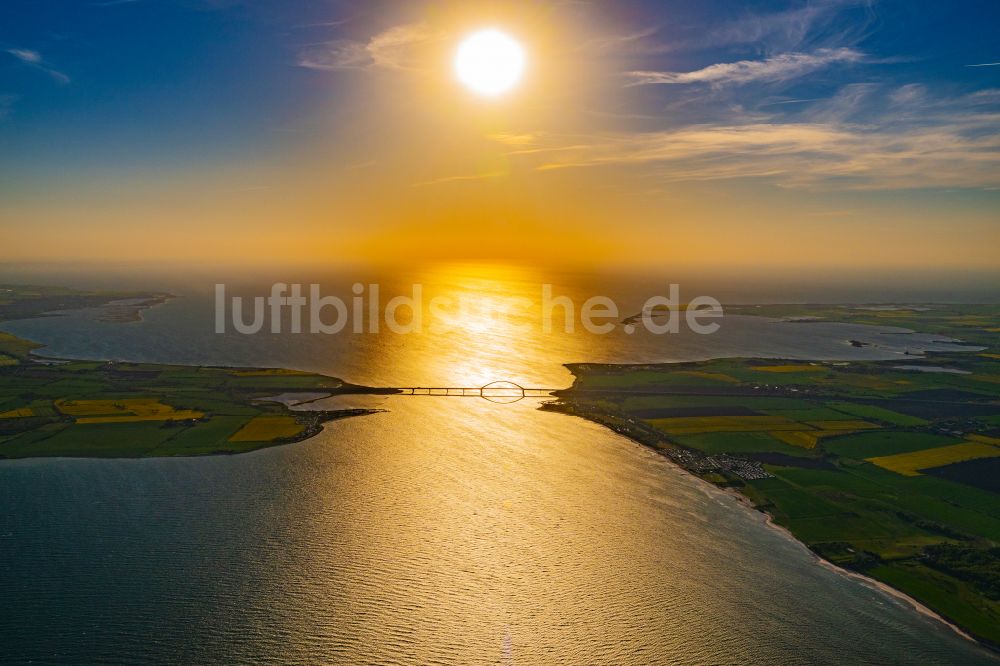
point(267, 428)
point(882, 469)
point(910, 464)
point(112, 409)
point(885, 470)
point(82, 408)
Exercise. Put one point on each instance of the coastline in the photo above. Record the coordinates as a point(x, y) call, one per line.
point(768, 520)
point(114, 376)
point(122, 311)
point(324, 417)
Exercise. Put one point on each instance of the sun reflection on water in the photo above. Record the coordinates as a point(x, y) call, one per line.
point(494, 330)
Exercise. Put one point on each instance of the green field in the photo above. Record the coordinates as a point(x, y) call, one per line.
point(267, 429)
point(797, 438)
point(131, 410)
point(811, 430)
point(873, 413)
point(103, 409)
point(910, 464)
point(743, 442)
point(864, 445)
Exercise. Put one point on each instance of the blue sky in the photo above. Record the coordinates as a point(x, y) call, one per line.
point(851, 101)
point(149, 79)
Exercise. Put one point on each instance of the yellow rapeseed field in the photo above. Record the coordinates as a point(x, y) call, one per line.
point(267, 428)
point(17, 413)
point(123, 411)
point(984, 439)
point(910, 464)
point(718, 376)
point(806, 439)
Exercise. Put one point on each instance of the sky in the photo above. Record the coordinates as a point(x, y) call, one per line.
point(837, 134)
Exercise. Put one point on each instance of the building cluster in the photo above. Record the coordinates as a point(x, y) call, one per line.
point(696, 462)
point(748, 470)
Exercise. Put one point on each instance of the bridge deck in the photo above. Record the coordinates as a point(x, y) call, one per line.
point(474, 391)
point(500, 391)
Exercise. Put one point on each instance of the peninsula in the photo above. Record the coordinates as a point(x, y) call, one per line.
point(890, 469)
point(109, 409)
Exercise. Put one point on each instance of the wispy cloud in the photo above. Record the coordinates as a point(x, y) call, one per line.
point(395, 48)
point(785, 102)
point(335, 55)
point(909, 94)
point(913, 141)
point(813, 24)
point(323, 24)
point(805, 155)
point(34, 59)
point(57, 75)
point(635, 40)
point(777, 68)
point(849, 102)
point(515, 140)
point(26, 55)
point(787, 28)
point(986, 64)
point(461, 179)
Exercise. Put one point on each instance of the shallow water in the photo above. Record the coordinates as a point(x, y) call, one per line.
point(483, 347)
point(442, 531)
point(933, 368)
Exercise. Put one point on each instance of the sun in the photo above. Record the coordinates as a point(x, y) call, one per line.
point(489, 62)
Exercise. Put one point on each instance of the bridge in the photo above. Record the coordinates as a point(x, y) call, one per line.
point(509, 392)
point(500, 391)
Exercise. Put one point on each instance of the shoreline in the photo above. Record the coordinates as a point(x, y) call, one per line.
point(919, 607)
point(327, 416)
point(768, 520)
point(323, 416)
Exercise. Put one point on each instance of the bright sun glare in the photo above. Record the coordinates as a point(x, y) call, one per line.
point(489, 62)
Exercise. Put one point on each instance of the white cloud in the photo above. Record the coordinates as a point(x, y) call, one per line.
point(26, 55)
point(58, 76)
point(909, 94)
point(848, 102)
point(777, 68)
point(514, 139)
point(335, 55)
point(812, 24)
point(623, 41)
point(985, 96)
point(960, 149)
point(34, 59)
point(395, 48)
